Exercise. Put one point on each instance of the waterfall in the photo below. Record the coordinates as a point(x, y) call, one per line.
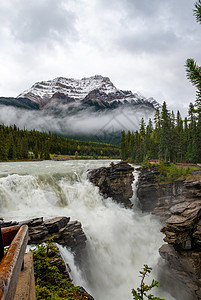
point(120, 240)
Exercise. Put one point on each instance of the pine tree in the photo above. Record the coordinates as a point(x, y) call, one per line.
point(179, 138)
point(12, 147)
point(3, 149)
point(46, 150)
point(193, 71)
point(35, 151)
point(164, 144)
point(123, 146)
point(25, 148)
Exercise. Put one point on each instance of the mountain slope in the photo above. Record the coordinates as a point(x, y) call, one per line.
point(90, 109)
point(19, 102)
point(96, 91)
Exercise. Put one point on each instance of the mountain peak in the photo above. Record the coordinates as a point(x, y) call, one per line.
point(96, 77)
point(95, 90)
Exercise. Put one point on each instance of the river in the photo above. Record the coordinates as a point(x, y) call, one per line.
point(119, 241)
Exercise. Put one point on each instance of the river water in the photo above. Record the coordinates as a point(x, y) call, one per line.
point(120, 241)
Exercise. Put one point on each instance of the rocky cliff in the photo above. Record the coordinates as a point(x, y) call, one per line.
point(115, 182)
point(64, 232)
point(178, 203)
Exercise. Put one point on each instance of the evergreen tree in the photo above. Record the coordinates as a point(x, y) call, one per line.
point(165, 140)
point(19, 148)
point(179, 138)
point(174, 139)
point(25, 148)
point(193, 71)
point(35, 151)
point(46, 150)
point(123, 146)
point(16, 143)
point(12, 148)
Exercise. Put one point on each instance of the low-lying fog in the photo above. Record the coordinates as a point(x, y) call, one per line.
point(83, 122)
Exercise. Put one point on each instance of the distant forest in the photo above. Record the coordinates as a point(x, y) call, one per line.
point(168, 138)
point(17, 144)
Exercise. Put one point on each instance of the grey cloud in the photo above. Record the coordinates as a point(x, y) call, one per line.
point(152, 42)
point(143, 7)
point(110, 38)
point(133, 8)
point(153, 26)
point(40, 20)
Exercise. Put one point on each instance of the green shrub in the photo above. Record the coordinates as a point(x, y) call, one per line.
point(143, 289)
point(146, 163)
point(51, 282)
point(170, 172)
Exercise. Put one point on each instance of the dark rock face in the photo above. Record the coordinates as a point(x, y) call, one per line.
point(21, 102)
point(115, 182)
point(178, 203)
point(147, 191)
point(156, 197)
point(65, 232)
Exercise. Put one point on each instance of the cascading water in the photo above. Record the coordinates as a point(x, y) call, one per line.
point(120, 240)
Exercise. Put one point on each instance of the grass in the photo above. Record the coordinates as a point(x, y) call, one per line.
point(172, 172)
point(72, 157)
point(169, 171)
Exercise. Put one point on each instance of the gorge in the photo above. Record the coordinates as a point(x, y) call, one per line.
point(120, 239)
point(178, 204)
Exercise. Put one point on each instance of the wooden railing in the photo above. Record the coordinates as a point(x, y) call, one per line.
point(16, 237)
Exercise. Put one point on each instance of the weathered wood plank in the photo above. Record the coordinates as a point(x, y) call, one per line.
point(11, 264)
point(1, 245)
point(26, 282)
point(9, 233)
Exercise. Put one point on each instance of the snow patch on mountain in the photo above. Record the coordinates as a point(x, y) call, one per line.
point(95, 89)
point(75, 88)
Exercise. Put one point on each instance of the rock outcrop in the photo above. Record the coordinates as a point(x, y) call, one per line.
point(115, 182)
point(65, 232)
point(156, 197)
point(178, 203)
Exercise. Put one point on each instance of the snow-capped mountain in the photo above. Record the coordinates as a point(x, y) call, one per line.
point(97, 91)
point(88, 109)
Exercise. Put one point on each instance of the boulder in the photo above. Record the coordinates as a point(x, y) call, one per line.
point(63, 231)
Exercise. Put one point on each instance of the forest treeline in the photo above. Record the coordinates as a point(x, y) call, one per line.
point(166, 138)
point(17, 144)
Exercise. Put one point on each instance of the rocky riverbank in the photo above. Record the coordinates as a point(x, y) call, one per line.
point(178, 204)
point(61, 229)
point(115, 182)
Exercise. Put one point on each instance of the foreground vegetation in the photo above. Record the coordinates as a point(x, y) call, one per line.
point(51, 279)
point(142, 291)
point(18, 144)
point(169, 171)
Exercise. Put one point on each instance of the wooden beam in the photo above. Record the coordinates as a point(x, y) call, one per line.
point(11, 264)
point(9, 233)
point(1, 245)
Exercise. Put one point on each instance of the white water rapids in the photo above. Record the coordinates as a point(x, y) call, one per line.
point(120, 241)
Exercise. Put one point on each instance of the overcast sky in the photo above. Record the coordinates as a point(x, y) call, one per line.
point(142, 45)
